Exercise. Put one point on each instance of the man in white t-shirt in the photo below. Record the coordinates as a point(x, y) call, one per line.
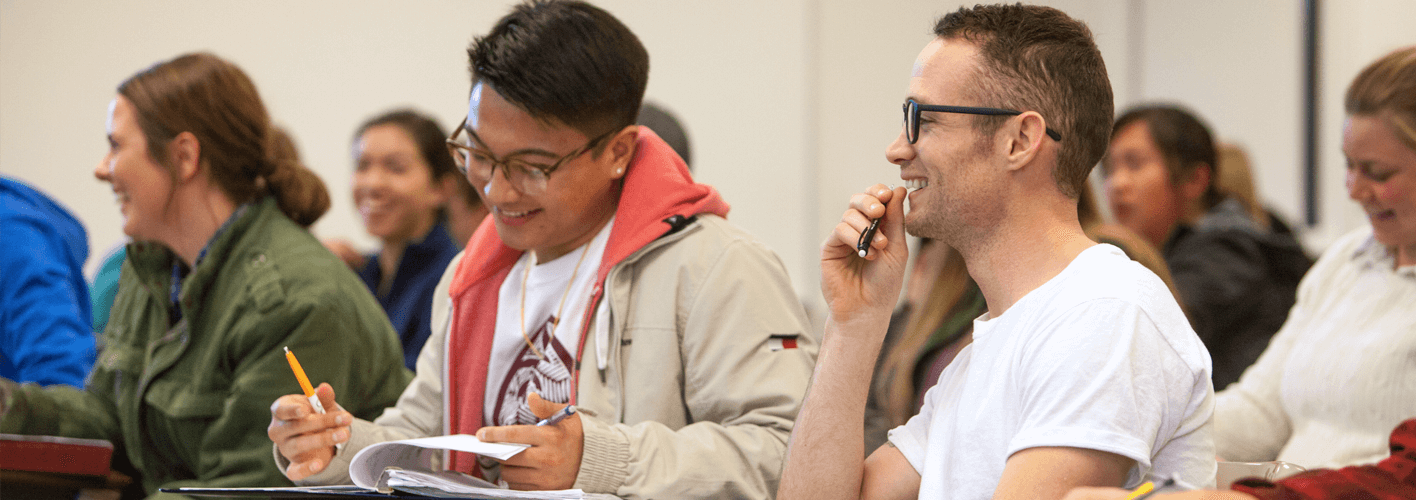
point(1084, 370)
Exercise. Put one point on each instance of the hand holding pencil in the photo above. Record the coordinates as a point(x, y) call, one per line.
point(307, 428)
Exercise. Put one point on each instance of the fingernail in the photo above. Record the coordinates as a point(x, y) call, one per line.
point(341, 436)
point(316, 466)
point(874, 206)
point(342, 420)
point(482, 435)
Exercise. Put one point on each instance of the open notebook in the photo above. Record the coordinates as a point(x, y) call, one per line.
point(410, 466)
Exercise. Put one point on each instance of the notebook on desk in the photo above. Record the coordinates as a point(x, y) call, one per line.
point(407, 469)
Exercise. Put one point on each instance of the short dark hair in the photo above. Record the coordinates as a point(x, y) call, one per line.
point(1039, 59)
point(426, 134)
point(1183, 141)
point(565, 61)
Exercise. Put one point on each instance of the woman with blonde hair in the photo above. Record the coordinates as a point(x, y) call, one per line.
point(220, 277)
point(1340, 374)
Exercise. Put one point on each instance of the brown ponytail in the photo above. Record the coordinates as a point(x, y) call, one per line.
point(301, 194)
point(217, 103)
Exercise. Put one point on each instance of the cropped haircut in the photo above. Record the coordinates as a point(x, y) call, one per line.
point(218, 104)
point(564, 61)
point(426, 134)
point(1039, 59)
point(1387, 89)
point(1184, 142)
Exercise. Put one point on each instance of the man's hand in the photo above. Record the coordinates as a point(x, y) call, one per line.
point(552, 461)
point(346, 252)
point(853, 285)
point(304, 437)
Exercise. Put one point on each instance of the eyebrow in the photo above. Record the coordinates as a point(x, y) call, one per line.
point(519, 152)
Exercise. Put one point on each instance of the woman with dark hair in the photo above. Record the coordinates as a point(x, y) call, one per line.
point(221, 276)
point(405, 186)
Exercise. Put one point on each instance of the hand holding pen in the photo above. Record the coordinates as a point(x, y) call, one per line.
point(307, 428)
point(557, 442)
point(863, 259)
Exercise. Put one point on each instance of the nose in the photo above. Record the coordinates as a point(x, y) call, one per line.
point(900, 151)
point(1358, 186)
point(104, 170)
point(498, 188)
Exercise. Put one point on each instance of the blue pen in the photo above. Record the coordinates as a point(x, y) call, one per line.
point(559, 416)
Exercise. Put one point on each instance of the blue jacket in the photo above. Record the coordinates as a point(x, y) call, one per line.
point(409, 300)
point(44, 302)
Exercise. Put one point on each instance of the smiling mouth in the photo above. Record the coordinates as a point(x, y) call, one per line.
point(916, 184)
point(515, 215)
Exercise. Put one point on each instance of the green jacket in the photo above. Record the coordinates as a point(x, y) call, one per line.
point(188, 404)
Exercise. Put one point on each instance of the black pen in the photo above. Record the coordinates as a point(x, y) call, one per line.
point(863, 245)
point(559, 416)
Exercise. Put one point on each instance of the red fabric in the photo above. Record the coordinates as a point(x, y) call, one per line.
point(1393, 478)
point(657, 186)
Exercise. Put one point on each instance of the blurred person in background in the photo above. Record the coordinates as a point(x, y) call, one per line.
point(44, 305)
point(1236, 278)
point(404, 183)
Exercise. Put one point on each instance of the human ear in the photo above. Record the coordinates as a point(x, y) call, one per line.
point(621, 150)
point(1025, 136)
point(184, 153)
point(1197, 182)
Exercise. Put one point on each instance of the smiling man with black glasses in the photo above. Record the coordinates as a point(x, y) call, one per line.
point(1084, 370)
point(605, 277)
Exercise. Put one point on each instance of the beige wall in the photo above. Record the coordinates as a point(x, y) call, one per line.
point(790, 104)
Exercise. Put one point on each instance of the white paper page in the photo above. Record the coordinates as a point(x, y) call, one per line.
point(418, 454)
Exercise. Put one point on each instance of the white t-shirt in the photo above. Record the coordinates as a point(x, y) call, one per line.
point(515, 369)
point(1099, 357)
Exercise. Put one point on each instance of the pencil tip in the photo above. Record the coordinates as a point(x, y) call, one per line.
point(287, 348)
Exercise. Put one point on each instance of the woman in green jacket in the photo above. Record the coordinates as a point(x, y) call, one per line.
point(221, 276)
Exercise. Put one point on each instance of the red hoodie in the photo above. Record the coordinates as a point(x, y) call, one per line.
point(657, 189)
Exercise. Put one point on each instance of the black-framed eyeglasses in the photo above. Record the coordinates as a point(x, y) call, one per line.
point(912, 109)
point(528, 177)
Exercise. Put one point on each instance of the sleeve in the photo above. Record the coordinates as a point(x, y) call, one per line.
point(1218, 274)
point(912, 439)
point(740, 395)
point(1250, 422)
point(46, 333)
point(419, 411)
point(31, 409)
point(342, 340)
point(1103, 376)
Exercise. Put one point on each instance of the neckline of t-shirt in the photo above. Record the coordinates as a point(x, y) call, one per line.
point(984, 324)
point(558, 271)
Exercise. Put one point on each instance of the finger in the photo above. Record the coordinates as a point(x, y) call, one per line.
point(326, 394)
point(892, 226)
point(291, 407)
point(542, 408)
point(315, 445)
point(301, 470)
point(520, 434)
point(868, 205)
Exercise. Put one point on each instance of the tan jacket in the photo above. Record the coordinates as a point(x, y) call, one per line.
point(687, 399)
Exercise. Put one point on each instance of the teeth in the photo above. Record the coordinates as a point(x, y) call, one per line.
point(513, 214)
point(916, 184)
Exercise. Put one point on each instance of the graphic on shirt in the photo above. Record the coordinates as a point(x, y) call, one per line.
point(549, 377)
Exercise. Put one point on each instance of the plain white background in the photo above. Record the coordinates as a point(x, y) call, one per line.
point(789, 103)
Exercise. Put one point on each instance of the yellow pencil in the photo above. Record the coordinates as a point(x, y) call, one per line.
point(1143, 489)
point(304, 381)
